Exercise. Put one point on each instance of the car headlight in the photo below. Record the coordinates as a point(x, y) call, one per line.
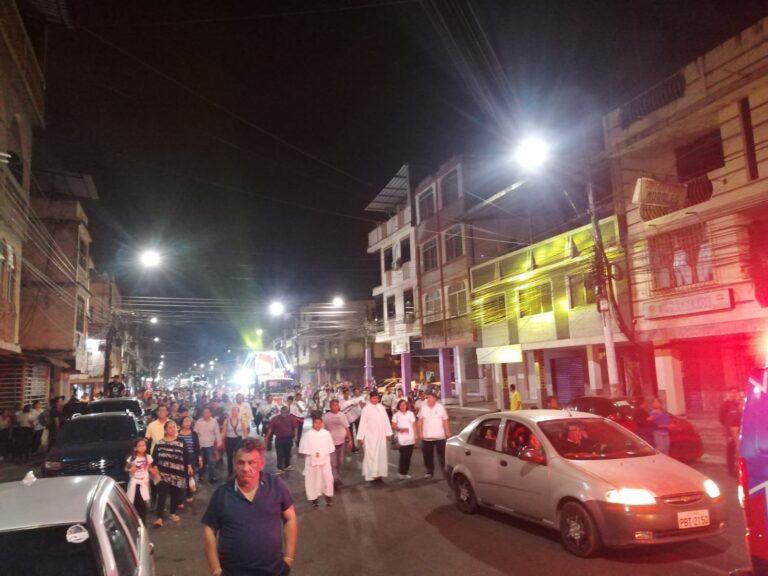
point(53, 465)
point(630, 497)
point(711, 489)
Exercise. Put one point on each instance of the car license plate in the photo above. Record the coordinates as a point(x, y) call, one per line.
point(692, 519)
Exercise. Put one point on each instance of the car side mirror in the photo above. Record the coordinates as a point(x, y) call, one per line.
point(533, 455)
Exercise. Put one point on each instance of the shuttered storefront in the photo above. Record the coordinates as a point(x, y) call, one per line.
point(569, 376)
point(23, 382)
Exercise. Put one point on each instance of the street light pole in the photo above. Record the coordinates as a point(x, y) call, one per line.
point(531, 154)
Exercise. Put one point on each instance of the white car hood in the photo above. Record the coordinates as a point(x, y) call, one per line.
point(660, 474)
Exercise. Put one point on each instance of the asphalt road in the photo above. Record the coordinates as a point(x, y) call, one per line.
point(413, 527)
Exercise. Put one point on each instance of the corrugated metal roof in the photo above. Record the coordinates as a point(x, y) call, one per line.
point(394, 195)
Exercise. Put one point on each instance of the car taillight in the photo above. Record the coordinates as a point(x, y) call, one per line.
point(743, 486)
point(614, 417)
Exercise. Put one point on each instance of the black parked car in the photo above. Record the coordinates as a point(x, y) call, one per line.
point(93, 444)
point(120, 405)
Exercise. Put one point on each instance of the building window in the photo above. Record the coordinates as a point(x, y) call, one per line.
point(454, 243)
point(700, 156)
point(535, 299)
point(80, 315)
point(391, 310)
point(378, 308)
point(405, 250)
point(494, 309)
point(581, 291)
point(16, 167)
point(449, 189)
point(429, 255)
point(432, 307)
point(409, 306)
point(681, 258)
point(7, 273)
point(82, 254)
point(457, 300)
point(387, 259)
point(426, 204)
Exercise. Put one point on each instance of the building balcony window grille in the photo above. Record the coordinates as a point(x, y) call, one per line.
point(681, 258)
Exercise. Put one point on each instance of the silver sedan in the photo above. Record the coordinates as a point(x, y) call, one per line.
point(592, 480)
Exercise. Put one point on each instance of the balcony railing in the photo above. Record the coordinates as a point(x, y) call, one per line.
point(386, 229)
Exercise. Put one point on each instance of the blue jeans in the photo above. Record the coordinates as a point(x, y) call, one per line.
point(208, 464)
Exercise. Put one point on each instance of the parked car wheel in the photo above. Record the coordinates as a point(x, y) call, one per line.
point(465, 494)
point(578, 531)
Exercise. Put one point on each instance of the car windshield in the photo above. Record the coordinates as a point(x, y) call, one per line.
point(53, 554)
point(119, 406)
point(593, 439)
point(82, 430)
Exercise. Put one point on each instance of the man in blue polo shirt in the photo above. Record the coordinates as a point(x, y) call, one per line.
point(254, 519)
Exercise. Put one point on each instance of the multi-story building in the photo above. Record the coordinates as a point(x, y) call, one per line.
point(111, 334)
point(334, 343)
point(396, 310)
point(538, 320)
point(56, 276)
point(447, 246)
point(690, 159)
point(22, 378)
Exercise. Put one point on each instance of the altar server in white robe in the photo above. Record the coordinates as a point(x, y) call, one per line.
point(317, 446)
point(373, 436)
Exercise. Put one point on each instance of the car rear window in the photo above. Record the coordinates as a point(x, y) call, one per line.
point(46, 551)
point(82, 430)
point(600, 440)
point(121, 406)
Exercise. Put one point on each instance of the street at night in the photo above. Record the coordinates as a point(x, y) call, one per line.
point(414, 527)
point(383, 287)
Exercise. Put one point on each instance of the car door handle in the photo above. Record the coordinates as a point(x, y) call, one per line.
point(503, 462)
point(467, 453)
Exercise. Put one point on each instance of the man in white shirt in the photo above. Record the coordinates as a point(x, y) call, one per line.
point(434, 430)
point(386, 400)
point(298, 410)
point(246, 413)
point(209, 436)
point(337, 424)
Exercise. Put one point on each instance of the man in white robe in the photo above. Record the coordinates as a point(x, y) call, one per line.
point(317, 446)
point(373, 434)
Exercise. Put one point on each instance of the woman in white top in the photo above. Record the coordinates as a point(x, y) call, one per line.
point(403, 422)
point(234, 431)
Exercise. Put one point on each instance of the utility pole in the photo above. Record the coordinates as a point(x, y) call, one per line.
point(603, 276)
point(110, 336)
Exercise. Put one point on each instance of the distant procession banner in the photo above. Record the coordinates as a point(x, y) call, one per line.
point(692, 304)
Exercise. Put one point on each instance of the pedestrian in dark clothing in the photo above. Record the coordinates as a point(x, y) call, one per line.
point(282, 427)
point(642, 418)
point(250, 525)
point(730, 418)
point(55, 420)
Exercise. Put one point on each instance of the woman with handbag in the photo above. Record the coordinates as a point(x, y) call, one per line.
point(192, 447)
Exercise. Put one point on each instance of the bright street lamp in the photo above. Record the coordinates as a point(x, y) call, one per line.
point(259, 332)
point(153, 320)
point(531, 154)
point(162, 355)
point(277, 308)
point(337, 302)
point(150, 258)
point(155, 339)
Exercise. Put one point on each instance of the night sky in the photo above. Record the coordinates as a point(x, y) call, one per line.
point(244, 139)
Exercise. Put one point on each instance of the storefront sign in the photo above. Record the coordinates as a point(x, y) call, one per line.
point(656, 198)
point(692, 304)
point(401, 346)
